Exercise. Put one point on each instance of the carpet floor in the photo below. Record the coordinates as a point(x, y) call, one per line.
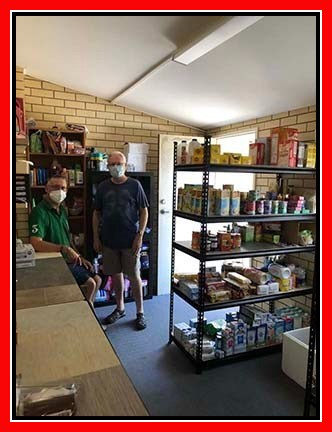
point(166, 380)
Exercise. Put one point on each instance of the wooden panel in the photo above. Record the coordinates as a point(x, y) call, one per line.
point(47, 272)
point(60, 341)
point(108, 392)
point(37, 297)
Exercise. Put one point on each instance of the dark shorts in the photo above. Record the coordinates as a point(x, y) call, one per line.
point(80, 273)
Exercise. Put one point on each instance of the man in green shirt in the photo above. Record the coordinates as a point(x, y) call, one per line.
point(49, 232)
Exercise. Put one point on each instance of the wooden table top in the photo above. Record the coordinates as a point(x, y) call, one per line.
point(49, 282)
point(64, 343)
point(59, 342)
point(48, 272)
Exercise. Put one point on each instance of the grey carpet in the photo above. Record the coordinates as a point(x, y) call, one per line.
point(166, 380)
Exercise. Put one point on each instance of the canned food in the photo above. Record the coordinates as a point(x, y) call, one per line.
point(250, 207)
point(260, 207)
point(275, 206)
point(253, 195)
point(282, 207)
point(267, 207)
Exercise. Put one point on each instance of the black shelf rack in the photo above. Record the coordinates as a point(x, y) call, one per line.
point(247, 218)
point(207, 306)
point(246, 251)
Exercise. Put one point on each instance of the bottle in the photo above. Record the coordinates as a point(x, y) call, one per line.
point(191, 148)
point(78, 174)
point(183, 155)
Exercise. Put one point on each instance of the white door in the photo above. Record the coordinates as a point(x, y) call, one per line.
point(166, 147)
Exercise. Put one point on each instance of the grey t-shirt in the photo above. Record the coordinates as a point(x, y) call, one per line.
point(119, 205)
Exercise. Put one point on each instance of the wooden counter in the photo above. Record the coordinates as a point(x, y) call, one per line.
point(49, 282)
point(65, 343)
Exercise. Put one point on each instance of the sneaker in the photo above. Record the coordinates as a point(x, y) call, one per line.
point(140, 322)
point(114, 316)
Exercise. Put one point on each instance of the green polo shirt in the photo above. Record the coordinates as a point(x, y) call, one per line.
point(45, 222)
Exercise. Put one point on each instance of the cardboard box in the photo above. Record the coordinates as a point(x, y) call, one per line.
point(222, 204)
point(311, 155)
point(197, 159)
point(267, 149)
point(280, 136)
point(224, 159)
point(235, 158)
point(287, 153)
point(256, 152)
point(246, 160)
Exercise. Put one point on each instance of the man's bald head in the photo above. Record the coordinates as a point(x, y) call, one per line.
point(116, 157)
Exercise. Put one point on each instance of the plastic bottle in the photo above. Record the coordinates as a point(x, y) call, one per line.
point(191, 148)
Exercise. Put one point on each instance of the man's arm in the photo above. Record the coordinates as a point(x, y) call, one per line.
point(41, 245)
point(95, 227)
point(143, 220)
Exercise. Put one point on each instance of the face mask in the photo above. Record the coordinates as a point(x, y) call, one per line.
point(58, 196)
point(117, 170)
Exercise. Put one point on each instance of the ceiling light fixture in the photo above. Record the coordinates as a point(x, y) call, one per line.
point(231, 26)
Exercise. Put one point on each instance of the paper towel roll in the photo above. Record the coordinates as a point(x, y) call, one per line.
point(279, 271)
point(256, 276)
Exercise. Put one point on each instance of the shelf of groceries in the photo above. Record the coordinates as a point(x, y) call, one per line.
point(272, 224)
point(281, 152)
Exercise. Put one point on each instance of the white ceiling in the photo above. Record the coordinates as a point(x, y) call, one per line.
point(269, 67)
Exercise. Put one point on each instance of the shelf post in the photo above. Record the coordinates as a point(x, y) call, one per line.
point(171, 308)
point(311, 353)
point(202, 264)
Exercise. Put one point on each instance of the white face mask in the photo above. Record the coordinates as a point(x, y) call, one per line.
point(58, 196)
point(117, 170)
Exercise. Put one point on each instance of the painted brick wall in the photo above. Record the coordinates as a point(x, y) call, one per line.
point(304, 119)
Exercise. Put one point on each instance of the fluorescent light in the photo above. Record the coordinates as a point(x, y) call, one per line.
point(230, 27)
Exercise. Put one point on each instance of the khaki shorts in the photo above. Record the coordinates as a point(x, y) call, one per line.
point(121, 261)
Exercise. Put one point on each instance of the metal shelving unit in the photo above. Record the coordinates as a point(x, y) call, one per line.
point(246, 251)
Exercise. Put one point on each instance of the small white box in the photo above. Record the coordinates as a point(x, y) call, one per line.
point(295, 348)
point(141, 148)
point(138, 160)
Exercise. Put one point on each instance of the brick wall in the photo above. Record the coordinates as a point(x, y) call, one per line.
point(304, 119)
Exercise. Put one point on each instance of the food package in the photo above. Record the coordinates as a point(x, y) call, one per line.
point(256, 153)
point(242, 280)
point(47, 401)
point(287, 153)
point(224, 159)
point(280, 136)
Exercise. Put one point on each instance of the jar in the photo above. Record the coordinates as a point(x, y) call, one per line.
point(260, 207)
point(196, 240)
point(236, 240)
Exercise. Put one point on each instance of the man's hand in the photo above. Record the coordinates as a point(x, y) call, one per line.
point(137, 244)
point(72, 256)
point(87, 265)
point(97, 245)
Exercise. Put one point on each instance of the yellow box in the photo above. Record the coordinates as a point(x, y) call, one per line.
point(214, 159)
point(199, 151)
point(311, 155)
point(246, 160)
point(215, 149)
point(235, 158)
point(224, 159)
point(199, 159)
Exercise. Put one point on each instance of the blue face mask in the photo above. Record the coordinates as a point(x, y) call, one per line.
point(117, 170)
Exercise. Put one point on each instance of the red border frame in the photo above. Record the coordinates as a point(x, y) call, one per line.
point(5, 8)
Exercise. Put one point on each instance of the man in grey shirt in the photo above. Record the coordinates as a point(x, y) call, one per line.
point(119, 220)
